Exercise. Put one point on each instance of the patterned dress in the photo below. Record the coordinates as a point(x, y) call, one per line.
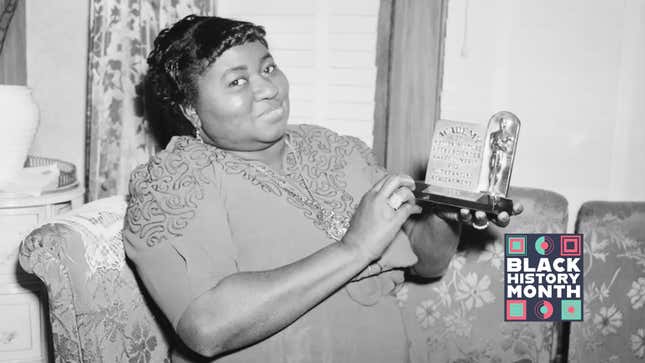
point(198, 213)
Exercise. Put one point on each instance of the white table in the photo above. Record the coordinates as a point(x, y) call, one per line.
point(23, 311)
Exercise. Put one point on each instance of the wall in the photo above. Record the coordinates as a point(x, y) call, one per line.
point(56, 71)
point(573, 71)
point(320, 57)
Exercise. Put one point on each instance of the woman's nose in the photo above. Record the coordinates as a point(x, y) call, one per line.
point(263, 88)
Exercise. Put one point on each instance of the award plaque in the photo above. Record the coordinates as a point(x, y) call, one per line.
point(470, 164)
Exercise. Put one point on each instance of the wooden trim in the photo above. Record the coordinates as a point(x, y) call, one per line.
point(13, 60)
point(409, 77)
point(381, 96)
point(441, 54)
point(89, 179)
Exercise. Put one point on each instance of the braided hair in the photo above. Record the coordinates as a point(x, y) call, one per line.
point(180, 55)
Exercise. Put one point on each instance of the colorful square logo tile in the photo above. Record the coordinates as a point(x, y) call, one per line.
point(515, 245)
point(559, 295)
point(571, 310)
point(515, 309)
point(570, 245)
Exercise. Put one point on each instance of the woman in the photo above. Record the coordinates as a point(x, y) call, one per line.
point(263, 242)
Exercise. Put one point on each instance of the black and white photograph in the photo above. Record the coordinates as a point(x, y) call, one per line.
point(324, 181)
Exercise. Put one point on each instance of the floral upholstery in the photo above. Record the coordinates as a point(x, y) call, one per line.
point(96, 308)
point(613, 329)
point(99, 314)
point(460, 317)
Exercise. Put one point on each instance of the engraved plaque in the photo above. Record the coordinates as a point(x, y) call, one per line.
point(456, 155)
point(470, 164)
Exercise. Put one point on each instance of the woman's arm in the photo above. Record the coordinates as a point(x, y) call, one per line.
point(434, 240)
point(249, 306)
point(246, 307)
point(434, 234)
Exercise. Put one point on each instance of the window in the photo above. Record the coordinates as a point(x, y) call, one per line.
point(327, 50)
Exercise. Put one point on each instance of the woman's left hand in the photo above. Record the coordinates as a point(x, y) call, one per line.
point(476, 219)
point(435, 234)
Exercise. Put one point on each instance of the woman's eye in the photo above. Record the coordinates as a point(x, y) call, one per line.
point(237, 82)
point(270, 68)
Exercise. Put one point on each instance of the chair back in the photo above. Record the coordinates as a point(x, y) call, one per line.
point(613, 326)
point(460, 317)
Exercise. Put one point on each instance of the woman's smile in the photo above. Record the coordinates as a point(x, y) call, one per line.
point(243, 99)
point(271, 114)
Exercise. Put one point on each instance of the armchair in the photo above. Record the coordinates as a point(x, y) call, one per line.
point(613, 329)
point(99, 312)
point(460, 317)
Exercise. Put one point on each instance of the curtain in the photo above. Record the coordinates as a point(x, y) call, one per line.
point(13, 53)
point(121, 34)
point(408, 82)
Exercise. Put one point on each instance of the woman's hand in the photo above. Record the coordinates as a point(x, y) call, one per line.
point(435, 234)
point(380, 215)
point(477, 219)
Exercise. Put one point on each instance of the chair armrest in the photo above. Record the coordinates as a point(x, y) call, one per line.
point(98, 310)
point(41, 253)
point(545, 211)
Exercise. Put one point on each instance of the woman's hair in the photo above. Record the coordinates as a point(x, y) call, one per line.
point(181, 53)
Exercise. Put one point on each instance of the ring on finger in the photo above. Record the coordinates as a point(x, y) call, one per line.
point(480, 227)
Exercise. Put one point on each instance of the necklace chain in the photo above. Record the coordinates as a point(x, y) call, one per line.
point(333, 224)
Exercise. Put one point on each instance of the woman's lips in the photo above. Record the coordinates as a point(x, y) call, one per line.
point(272, 114)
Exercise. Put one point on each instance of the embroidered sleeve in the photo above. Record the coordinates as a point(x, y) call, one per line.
point(176, 230)
point(367, 159)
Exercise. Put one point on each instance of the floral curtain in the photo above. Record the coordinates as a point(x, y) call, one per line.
point(121, 35)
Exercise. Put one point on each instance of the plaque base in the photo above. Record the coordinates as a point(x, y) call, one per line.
point(425, 193)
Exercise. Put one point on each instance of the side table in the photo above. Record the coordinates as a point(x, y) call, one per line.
point(23, 308)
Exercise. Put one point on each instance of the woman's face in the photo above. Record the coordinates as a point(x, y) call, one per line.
point(243, 99)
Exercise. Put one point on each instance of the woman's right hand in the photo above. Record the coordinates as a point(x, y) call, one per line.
point(375, 222)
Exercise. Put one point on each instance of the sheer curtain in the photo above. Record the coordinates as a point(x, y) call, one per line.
point(121, 34)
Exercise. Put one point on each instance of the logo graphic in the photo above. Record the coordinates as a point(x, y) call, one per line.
point(515, 310)
point(571, 245)
point(543, 277)
point(544, 245)
point(543, 310)
point(515, 245)
point(571, 310)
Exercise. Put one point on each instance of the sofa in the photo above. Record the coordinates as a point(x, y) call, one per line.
point(613, 329)
point(100, 313)
point(460, 317)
